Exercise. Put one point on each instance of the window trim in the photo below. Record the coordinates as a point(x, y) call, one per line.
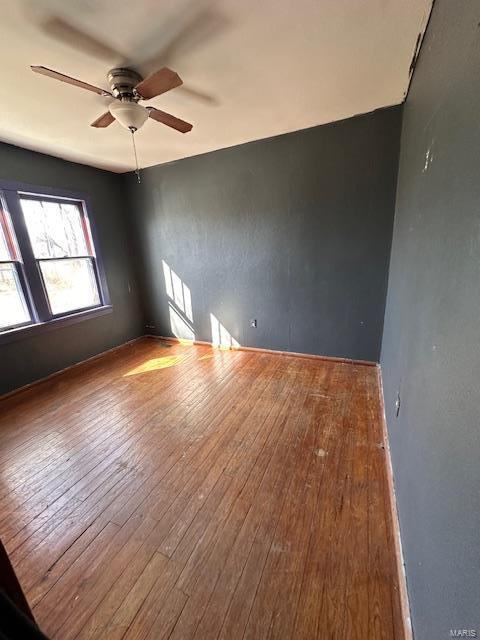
point(25, 331)
point(28, 266)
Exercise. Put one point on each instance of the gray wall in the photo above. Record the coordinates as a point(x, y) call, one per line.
point(293, 231)
point(431, 345)
point(28, 359)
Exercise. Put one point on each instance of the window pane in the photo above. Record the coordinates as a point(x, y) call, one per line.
point(13, 309)
point(70, 284)
point(55, 228)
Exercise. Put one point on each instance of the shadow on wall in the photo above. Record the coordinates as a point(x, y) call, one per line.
point(181, 314)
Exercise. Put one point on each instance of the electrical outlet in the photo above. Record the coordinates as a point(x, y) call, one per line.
point(253, 323)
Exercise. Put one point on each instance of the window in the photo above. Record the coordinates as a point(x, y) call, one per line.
point(49, 267)
point(61, 245)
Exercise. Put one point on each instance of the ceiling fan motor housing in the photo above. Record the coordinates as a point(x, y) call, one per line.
point(123, 82)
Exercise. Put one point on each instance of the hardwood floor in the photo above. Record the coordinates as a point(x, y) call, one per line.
point(184, 492)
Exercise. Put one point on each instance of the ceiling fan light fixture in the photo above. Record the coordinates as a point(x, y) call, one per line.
point(129, 114)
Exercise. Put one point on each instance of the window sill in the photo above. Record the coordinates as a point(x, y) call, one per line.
point(42, 327)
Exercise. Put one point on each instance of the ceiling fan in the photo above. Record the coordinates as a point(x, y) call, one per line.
point(128, 88)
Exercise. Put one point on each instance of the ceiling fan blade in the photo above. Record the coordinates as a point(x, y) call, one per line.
point(103, 121)
point(158, 82)
point(169, 120)
point(63, 78)
point(195, 22)
point(197, 94)
point(73, 36)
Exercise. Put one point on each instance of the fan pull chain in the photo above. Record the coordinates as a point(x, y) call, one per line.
point(137, 168)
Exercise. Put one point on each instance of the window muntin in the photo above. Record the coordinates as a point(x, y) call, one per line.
point(60, 239)
point(14, 311)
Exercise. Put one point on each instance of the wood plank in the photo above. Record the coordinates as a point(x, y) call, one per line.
point(190, 492)
point(126, 611)
point(262, 519)
point(115, 445)
point(154, 603)
point(286, 554)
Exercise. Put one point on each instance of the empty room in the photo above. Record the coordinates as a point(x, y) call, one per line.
point(239, 320)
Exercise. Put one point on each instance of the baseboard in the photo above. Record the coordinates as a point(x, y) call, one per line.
point(402, 578)
point(367, 363)
point(76, 365)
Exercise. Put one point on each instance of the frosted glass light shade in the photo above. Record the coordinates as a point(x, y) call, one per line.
point(129, 114)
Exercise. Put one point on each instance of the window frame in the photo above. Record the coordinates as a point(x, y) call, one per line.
point(28, 266)
point(92, 256)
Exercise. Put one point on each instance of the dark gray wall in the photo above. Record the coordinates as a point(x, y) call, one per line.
point(431, 345)
point(293, 231)
point(26, 360)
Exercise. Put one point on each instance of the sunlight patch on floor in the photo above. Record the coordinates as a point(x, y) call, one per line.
point(156, 364)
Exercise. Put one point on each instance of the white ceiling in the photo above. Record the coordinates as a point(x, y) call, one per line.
point(251, 68)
